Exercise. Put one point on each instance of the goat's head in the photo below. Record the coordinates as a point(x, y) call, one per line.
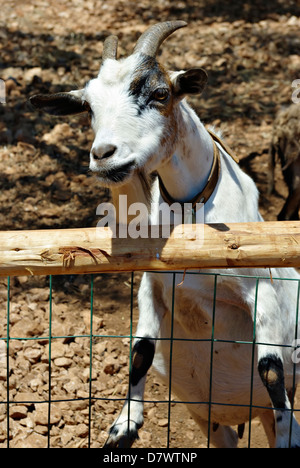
point(133, 104)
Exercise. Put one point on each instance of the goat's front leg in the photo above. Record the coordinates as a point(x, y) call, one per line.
point(287, 429)
point(271, 329)
point(124, 430)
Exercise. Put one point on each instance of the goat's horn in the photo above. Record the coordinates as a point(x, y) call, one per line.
point(150, 41)
point(110, 48)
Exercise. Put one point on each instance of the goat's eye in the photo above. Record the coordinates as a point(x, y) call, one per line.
point(160, 94)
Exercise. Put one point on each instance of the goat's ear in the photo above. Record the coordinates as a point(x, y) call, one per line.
point(192, 81)
point(60, 103)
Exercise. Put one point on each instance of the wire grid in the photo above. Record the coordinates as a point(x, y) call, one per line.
point(131, 337)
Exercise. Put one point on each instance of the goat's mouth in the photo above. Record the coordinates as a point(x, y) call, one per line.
point(116, 175)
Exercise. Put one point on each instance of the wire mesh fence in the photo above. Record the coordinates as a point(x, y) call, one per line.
point(63, 381)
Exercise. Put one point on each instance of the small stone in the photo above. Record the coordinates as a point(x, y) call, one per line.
point(163, 422)
point(67, 434)
point(33, 355)
point(82, 430)
point(31, 72)
point(27, 398)
point(36, 383)
point(41, 415)
point(63, 362)
point(33, 440)
point(73, 385)
point(111, 366)
point(43, 430)
point(58, 350)
point(18, 412)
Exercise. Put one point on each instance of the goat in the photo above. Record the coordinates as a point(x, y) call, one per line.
point(286, 144)
point(151, 146)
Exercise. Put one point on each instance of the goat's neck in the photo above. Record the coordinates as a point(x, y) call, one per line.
point(186, 173)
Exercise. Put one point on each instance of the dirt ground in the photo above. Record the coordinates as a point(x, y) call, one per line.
point(251, 53)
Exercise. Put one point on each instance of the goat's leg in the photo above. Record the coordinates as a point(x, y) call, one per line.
point(290, 210)
point(220, 436)
point(271, 332)
point(268, 422)
point(271, 371)
point(124, 430)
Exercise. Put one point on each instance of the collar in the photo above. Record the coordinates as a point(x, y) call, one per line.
point(212, 180)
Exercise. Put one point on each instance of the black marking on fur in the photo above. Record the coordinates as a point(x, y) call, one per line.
point(148, 77)
point(272, 365)
point(113, 430)
point(143, 354)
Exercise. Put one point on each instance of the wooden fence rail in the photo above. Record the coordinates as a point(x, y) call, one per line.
point(95, 250)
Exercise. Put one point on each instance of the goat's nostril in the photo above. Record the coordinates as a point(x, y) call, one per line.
point(103, 152)
point(110, 152)
point(95, 156)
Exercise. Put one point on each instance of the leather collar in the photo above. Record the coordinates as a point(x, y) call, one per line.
point(213, 177)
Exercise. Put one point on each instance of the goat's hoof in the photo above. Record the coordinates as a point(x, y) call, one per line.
point(122, 436)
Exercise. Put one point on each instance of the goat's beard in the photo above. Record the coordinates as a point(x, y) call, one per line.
point(136, 189)
point(146, 181)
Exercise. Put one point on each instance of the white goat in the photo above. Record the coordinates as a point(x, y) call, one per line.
point(142, 126)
